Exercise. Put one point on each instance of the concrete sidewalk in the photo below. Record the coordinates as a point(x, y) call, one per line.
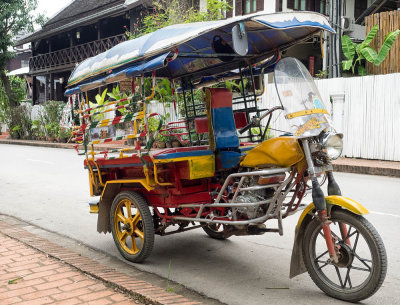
point(34, 270)
point(348, 165)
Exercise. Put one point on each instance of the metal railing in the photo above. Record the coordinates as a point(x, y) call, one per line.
point(71, 56)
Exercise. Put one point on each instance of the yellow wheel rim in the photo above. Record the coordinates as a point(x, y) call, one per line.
point(129, 226)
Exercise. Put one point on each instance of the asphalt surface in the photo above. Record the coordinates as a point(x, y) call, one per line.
point(49, 188)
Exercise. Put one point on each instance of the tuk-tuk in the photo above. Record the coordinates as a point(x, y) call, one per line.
point(225, 174)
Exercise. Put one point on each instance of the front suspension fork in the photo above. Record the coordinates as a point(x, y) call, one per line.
point(320, 203)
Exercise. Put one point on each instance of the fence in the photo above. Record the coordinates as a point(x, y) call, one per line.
point(369, 117)
point(388, 21)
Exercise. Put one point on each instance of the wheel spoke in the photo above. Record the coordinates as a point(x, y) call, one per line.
point(121, 217)
point(356, 241)
point(363, 260)
point(134, 246)
point(123, 237)
point(350, 234)
point(339, 276)
point(321, 255)
point(139, 233)
point(128, 208)
point(361, 269)
point(136, 218)
point(325, 264)
point(347, 278)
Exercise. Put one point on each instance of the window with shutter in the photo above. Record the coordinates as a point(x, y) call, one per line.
point(229, 13)
point(309, 5)
point(238, 8)
point(260, 5)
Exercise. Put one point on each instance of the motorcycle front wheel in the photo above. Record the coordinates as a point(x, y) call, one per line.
point(362, 263)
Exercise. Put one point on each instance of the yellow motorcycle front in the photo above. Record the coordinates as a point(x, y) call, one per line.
point(340, 249)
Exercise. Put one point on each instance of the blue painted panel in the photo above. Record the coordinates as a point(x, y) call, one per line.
point(181, 154)
point(224, 128)
point(228, 159)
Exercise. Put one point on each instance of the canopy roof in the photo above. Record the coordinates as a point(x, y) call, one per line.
point(196, 50)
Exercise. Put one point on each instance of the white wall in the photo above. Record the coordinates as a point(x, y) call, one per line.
point(270, 6)
point(370, 120)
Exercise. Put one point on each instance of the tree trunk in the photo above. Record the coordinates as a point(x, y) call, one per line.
point(7, 88)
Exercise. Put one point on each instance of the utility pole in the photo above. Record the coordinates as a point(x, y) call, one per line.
point(335, 41)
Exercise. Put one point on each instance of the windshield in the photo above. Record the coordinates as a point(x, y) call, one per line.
point(300, 98)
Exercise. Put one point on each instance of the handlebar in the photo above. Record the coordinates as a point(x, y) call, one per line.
point(255, 121)
point(245, 128)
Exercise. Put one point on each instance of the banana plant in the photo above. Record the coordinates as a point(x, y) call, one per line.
point(117, 95)
point(356, 52)
point(100, 99)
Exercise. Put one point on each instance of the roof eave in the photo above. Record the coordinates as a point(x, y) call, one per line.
point(85, 20)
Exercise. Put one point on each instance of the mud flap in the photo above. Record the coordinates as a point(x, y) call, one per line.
point(297, 265)
point(103, 219)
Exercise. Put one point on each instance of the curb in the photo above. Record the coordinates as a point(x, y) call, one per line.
point(346, 165)
point(137, 289)
point(367, 170)
point(58, 145)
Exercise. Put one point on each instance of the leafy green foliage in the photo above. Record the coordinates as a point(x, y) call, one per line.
point(100, 100)
point(53, 129)
point(15, 16)
point(357, 52)
point(117, 95)
point(168, 12)
point(17, 115)
point(53, 112)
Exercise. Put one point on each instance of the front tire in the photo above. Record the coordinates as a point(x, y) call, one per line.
point(362, 264)
point(132, 226)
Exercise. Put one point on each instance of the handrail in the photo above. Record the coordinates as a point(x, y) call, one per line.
point(74, 54)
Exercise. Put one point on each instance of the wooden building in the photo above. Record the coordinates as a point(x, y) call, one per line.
point(83, 29)
point(86, 28)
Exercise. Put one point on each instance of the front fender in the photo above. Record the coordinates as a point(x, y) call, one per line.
point(297, 264)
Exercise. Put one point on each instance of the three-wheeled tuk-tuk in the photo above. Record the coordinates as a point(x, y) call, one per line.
point(224, 174)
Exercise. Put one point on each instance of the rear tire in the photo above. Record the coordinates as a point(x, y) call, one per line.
point(132, 226)
point(213, 231)
point(362, 261)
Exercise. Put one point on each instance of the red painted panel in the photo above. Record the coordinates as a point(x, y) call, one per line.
point(240, 119)
point(201, 125)
point(220, 97)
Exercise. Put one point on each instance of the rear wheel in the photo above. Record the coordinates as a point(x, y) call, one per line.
point(362, 257)
point(215, 231)
point(132, 226)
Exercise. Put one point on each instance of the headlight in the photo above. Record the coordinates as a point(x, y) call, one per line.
point(332, 143)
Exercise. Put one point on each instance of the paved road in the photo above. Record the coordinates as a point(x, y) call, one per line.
point(49, 188)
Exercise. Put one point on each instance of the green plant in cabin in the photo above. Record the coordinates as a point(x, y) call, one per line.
point(356, 52)
point(117, 95)
point(256, 131)
point(100, 100)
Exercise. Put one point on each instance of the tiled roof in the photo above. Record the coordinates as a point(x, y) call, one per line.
point(77, 13)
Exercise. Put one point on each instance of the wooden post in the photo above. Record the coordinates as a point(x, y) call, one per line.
point(51, 86)
point(34, 91)
point(98, 30)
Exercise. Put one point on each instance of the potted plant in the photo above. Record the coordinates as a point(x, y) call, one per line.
point(52, 131)
point(15, 132)
point(64, 134)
